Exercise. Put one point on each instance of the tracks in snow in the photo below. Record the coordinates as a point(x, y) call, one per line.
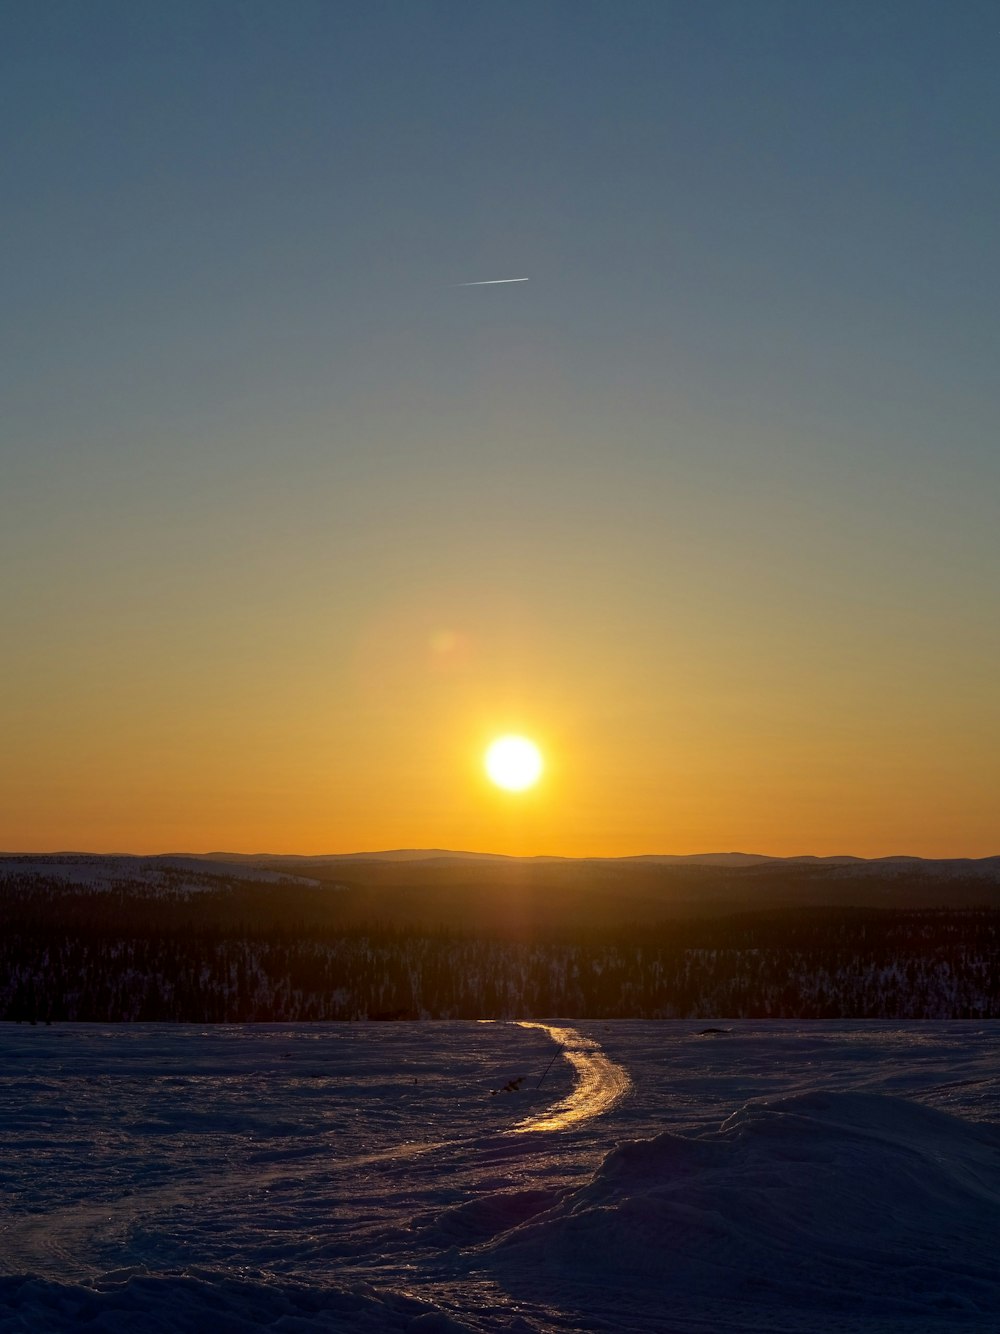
point(64, 1239)
point(600, 1083)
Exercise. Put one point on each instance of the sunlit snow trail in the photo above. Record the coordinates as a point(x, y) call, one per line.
point(76, 1238)
point(600, 1082)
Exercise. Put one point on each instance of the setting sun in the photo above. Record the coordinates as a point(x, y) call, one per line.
point(513, 762)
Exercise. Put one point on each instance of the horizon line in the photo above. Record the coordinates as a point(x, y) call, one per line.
point(435, 852)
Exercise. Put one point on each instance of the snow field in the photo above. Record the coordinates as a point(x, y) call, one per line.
point(824, 1177)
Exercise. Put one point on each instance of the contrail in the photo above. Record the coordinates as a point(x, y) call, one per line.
point(492, 282)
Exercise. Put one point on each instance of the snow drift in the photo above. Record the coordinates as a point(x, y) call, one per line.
point(845, 1203)
point(369, 1177)
point(192, 1302)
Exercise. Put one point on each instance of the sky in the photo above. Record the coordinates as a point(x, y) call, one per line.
point(292, 523)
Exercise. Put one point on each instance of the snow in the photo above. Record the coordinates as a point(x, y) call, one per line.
point(825, 1177)
point(160, 874)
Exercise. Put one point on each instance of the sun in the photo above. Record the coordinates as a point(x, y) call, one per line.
point(513, 762)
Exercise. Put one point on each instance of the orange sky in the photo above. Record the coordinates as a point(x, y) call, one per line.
point(224, 739)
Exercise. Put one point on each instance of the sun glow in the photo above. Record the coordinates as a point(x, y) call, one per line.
point(513, 762)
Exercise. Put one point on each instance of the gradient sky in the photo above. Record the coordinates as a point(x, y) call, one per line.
point(291, 524)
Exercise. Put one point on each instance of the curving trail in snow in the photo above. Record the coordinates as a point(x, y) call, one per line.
point(362, 1177)
point(600, 1083)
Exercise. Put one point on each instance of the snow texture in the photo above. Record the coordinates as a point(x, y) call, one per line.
point(769, 1176)
point(178, 875)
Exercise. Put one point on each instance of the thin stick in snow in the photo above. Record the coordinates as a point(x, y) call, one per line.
point(547, 1069)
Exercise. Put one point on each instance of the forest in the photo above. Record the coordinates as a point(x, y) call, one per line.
point(238, 952)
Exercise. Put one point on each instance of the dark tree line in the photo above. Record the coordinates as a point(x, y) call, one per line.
point(124, 956)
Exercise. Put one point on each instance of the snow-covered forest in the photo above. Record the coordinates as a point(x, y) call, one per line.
point(190, 950)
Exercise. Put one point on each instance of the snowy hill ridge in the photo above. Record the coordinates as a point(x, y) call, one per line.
point(989, 864)
point(89, 867)
point(166, 873)
point(902, 861)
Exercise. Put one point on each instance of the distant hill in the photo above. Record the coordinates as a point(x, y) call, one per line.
point(988, 865)
point(481, 892)
point(165, 873)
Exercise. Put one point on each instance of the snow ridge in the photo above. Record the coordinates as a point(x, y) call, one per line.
point(858, 1204)
point(175, 875)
